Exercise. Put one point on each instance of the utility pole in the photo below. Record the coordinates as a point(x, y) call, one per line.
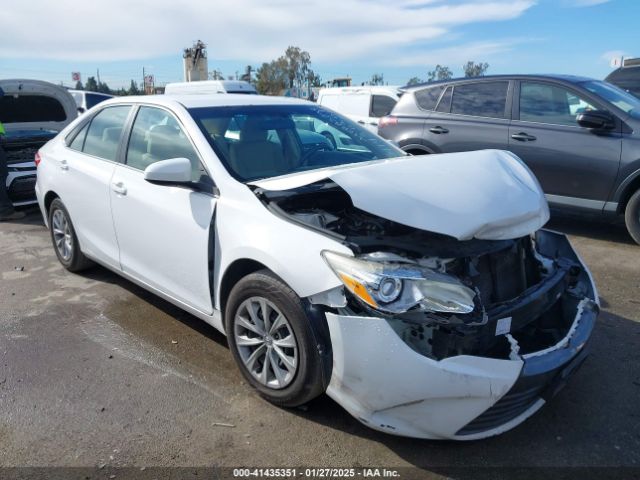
point(144, 90)
point(98, 75)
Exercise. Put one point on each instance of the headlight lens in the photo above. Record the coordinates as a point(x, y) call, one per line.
point(395, 287)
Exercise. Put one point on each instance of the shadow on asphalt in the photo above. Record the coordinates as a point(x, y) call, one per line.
point(590, 226)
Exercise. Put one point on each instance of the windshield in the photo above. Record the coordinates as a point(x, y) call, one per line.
point(256, 142)
point(612, 94)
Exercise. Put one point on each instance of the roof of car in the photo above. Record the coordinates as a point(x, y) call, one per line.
point(211, 100)
point(565, 78)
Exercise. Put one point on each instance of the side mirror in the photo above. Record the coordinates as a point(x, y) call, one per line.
point(174, 171)
point(596, 120)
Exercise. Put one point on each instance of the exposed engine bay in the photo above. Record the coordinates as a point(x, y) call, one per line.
point(443, 296)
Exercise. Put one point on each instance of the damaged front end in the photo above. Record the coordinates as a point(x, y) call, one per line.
point(436, 337)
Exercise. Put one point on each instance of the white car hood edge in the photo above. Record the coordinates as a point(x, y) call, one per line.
point(486, 194)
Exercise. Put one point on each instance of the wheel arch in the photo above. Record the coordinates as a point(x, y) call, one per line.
point(627, 189)
point(49, 197)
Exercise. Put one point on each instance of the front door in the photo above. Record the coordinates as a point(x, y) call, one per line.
point(164, 232)
point(575, 166)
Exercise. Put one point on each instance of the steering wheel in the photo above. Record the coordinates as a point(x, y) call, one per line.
point(312, 150)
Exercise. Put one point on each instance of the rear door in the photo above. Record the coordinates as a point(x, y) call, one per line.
point(86, 166)
point(164, 231)
point(470, 116)
point(575, 166)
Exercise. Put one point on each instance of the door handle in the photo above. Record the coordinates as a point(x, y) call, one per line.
point(438, 129)
point(119, 188)
point(523, 137)
point(64, 165)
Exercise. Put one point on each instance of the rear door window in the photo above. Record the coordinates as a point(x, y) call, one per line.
point(480, 99)
point(428, 98)
point(105, 131)
point(382, 105)
point(31, 108)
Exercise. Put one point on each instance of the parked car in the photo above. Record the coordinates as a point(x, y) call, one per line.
point(423, 297)
point(579, 136)
point(208, 87)
point(32, 112)
point(627, 77)
point(86, 100)
point(365, 105)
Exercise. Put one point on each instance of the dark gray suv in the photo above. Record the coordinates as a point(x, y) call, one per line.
point(581, 137)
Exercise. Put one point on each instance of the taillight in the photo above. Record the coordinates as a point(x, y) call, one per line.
point(386, 121)
point(37, 158)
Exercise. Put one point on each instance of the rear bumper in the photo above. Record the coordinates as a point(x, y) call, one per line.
point(390, 387)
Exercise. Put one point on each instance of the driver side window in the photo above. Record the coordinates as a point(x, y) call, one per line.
point(546, 103)
point(156, 135)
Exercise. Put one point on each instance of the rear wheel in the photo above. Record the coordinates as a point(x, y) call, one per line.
point(64, 239)
point(271, 340)
point(632, 216)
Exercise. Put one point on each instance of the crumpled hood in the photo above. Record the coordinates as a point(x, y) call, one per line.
point(486, 194)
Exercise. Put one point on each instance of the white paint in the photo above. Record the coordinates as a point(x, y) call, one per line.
point(390, 387)
point(487, 194)
point(503, 326)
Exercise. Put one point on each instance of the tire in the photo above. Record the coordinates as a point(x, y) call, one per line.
point(292, 386)
point(632, 216)
point(64, 239)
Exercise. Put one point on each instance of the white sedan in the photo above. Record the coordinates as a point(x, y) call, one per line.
point(418, 292)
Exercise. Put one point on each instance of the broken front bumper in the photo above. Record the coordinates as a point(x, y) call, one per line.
point(390, 387)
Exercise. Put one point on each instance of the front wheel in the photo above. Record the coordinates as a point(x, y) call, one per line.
point(64, 239)
point(632, 216)
point(271, 340)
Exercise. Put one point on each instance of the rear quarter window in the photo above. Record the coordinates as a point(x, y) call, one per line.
point(427, 98)
point(30, 109)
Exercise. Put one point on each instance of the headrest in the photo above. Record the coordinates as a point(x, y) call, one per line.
point(253, 130)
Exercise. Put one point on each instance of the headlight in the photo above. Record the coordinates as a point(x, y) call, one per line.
point(396, 287)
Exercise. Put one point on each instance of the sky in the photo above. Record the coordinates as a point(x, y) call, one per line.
point(398, 38)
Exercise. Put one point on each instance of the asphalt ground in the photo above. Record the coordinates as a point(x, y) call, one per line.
point(97, 373)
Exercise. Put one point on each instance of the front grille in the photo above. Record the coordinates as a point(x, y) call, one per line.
point(22, 189)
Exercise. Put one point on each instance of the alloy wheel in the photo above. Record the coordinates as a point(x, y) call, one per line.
point(62, 235)
point(266, 342)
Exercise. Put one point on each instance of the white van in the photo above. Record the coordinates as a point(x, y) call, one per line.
point(86, 100)
point(364, 105)
point(208, 87)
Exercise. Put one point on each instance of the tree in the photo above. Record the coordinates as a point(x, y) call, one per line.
point(439, 73)
point(133, 88)
point(104, 88)
point(377, 79)
point(91, 85)
point(216, 75)
point(472, 69)
point(246, 76)
point(272, 77)
point(314, 79)
point(291, 70)
point(79, 85)
point(414, 81)
point(298, 62)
